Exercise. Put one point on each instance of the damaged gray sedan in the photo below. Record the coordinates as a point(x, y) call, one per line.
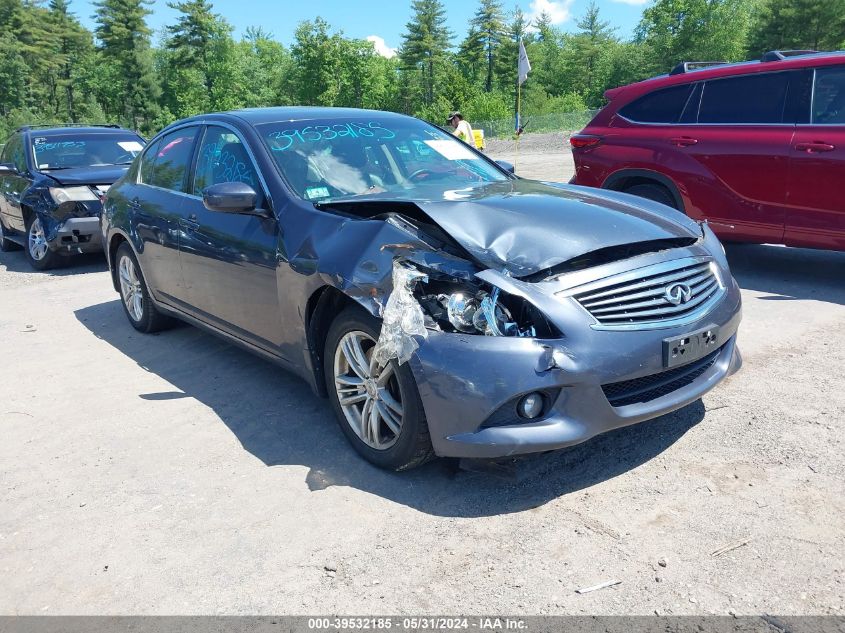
point(443, 305)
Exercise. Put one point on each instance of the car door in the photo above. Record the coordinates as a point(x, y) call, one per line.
point(229, 260)
point(816, 210)
point(15, 182)
point(157, 204)
point(740, 140)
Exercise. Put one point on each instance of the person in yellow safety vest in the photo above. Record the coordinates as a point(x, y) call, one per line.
point(462, 129)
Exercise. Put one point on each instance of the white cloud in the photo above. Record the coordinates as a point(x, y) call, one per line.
point(558, 10)
point(636, 3)
point(381, 46)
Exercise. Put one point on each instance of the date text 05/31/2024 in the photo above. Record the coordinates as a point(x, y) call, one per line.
point(417, 623)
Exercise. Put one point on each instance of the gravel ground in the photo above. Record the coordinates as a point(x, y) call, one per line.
point(538, 156)
point(175, 474)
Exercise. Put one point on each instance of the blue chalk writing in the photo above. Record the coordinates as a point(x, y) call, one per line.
point(285, 139)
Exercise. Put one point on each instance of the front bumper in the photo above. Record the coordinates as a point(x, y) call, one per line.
point(466, 382)
point(77, 235)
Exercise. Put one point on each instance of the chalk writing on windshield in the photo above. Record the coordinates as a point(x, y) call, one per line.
point(41, 146)
point(285, 139)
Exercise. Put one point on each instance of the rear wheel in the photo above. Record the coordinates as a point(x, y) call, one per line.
point(377, 406)
point(6, 244)
point(657, 193)
point(137, 303)
point(37, 251)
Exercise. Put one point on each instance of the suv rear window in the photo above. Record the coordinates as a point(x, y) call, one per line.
point(660, 106)
point(746, 99)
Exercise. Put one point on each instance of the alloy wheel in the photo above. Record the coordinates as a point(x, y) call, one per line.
point(368, 393)
point(130, 288)
point(37, 241)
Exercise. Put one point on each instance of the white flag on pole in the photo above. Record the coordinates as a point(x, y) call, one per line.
point(524, 64)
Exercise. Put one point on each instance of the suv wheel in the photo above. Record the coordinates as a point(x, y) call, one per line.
point(37, 250)
point(137, 303)
point(657, 193)
point(6, 244)
point(378, 407)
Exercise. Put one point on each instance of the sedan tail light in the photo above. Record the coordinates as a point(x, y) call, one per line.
point(584, 141)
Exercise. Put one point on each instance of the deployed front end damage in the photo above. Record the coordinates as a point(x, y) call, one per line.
point(70, 217)
point(507, 361)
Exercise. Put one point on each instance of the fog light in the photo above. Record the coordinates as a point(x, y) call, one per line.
point(531, 406)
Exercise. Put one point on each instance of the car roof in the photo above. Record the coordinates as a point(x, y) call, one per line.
point(60, 129)
point(258, 116)
point(729, 69)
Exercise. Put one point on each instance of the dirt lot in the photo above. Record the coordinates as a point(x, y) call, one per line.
point(176, 474)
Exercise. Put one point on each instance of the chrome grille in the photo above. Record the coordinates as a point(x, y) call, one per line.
point(655, 294)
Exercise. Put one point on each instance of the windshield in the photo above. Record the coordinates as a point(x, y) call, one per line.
point(75, 149)
point(335, 159)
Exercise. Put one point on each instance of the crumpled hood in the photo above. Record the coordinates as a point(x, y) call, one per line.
point(105, 175)
point(524, 226)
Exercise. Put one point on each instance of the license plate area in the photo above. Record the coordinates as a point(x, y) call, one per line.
point(681, 350)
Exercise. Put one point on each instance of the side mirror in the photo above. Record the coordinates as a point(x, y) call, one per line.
point(508, 167)
point(230, 197)
point(6, 168)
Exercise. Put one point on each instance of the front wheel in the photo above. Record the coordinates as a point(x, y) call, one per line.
point(137, 303)
point(37, 251)
point(377, 406)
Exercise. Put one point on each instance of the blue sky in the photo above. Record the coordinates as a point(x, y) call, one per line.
point(384, 19)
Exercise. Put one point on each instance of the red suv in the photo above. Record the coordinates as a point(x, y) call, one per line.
point(757, 148)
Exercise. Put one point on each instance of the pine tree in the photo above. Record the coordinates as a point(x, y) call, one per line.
point(426, 42)
point(488, 24)
point(125, 49)
point(508, 58)
point(73, 54)
point(200, 69)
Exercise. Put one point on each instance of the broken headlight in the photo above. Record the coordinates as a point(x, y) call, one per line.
point(458, 308)
point(61, 195)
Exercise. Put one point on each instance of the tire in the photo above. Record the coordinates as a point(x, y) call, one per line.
point(6, 244)
point(657, 193)
point(134, 295)
point(37, 251)
point(394, 385)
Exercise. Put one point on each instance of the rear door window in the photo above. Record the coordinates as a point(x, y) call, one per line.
point(660, 106)
point(750, 99)
point(829, 96)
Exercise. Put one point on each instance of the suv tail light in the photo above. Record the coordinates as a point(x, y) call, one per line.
point(584, 141)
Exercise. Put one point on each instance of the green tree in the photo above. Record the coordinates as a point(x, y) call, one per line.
point(426, 42)
point(488, 27)
point(508, 62)
point(74, 55)
point(798, 24)
point(125, 51)
point(694, 30)
point(265, 66)
point(586, 57)
point(200, 69)
point(316, 59)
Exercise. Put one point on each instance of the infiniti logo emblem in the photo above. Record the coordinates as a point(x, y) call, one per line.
point(676, 294)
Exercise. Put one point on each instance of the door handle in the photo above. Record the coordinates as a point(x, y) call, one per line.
point(191, 221)
point(683, 141)
point(816, 146)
